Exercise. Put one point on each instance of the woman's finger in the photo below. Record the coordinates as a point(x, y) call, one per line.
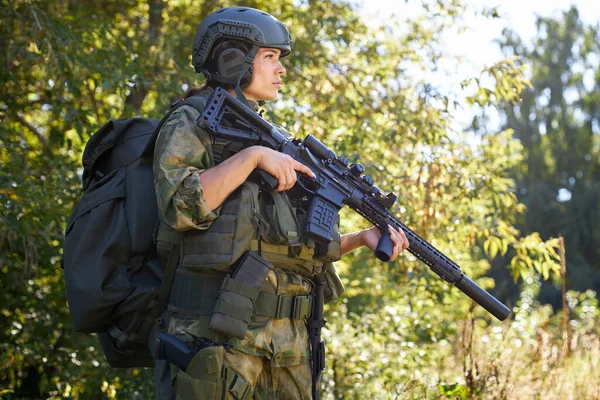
point(282, 182)
point(393, 234)
point(304, 169)
point(405, 242)
point(395, 252)
point(291, 177)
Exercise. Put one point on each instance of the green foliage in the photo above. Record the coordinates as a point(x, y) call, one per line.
point(508, 83)
point(528, 356)
point(533, 253)
point(400, 331)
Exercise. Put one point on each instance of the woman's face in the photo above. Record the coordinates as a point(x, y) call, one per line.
point(266, 76)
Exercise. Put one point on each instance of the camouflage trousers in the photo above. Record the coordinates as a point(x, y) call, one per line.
point(271, 362)
point(217, 374)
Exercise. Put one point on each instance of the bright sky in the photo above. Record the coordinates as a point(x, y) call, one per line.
point(477, 43)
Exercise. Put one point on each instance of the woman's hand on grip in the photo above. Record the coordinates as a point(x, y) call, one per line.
point(283, 167)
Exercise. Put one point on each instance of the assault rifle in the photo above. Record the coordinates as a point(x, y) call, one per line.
point(337, 184)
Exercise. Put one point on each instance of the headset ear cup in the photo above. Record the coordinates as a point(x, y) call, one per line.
point(230, 62)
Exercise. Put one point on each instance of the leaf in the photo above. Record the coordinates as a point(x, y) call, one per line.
point(486, 246)
point(504, 246)
point(493, 248)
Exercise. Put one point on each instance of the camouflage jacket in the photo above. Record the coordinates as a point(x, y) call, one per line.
point(182, 152)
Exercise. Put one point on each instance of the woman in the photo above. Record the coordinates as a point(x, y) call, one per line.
point(204, 196)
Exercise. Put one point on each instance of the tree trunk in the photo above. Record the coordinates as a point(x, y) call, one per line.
point(138, 93)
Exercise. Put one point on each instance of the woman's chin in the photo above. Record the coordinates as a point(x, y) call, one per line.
point(274, 96)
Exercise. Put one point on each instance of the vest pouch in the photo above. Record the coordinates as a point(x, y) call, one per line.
point(228, 237)
point(236, 303)
point(209, 377)
point(283, 226)
point(234, 309)
point(329, 252)
point(334, 287)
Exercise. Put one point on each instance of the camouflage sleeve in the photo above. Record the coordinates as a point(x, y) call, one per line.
point(182, 152)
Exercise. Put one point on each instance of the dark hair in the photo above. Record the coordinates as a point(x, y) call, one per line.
point(211, 84)
point(193, 91)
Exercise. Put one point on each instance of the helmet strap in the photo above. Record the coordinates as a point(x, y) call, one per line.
point(249, 62)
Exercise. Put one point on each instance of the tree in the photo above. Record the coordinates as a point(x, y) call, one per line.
point(557, 124)
point(72, 66)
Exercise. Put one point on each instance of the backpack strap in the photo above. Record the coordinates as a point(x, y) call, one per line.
point(161, 297)
point(158, 303)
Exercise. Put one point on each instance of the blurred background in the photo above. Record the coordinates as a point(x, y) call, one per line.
point(482, 116)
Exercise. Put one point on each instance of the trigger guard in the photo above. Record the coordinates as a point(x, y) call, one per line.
point(301, 189)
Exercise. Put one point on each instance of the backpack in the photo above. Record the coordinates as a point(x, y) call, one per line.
point(116, 285)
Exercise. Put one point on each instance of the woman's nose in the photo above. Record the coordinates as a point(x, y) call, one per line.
point(281, 69)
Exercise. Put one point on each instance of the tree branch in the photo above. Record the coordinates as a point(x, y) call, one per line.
point(140, 90)
point(37, 21)
point(33, 129)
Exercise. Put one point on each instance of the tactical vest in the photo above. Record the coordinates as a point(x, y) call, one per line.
point(256, 220)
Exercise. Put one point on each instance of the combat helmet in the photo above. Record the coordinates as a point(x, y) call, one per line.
point(252, 27)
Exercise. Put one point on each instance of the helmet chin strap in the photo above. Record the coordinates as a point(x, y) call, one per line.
point(240, 95)
point(249, 62)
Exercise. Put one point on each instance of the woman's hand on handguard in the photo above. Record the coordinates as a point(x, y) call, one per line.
point(281, 166)
point(370, 238)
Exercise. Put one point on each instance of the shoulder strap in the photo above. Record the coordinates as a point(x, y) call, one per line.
point(198, 102)
point(158, 302)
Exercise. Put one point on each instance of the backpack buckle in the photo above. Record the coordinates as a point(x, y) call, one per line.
point(301, 307)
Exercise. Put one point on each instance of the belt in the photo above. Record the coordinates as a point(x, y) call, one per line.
point(197, 294)
point(283, 306)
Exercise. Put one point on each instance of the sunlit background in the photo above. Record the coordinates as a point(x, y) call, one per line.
point(495, 160)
